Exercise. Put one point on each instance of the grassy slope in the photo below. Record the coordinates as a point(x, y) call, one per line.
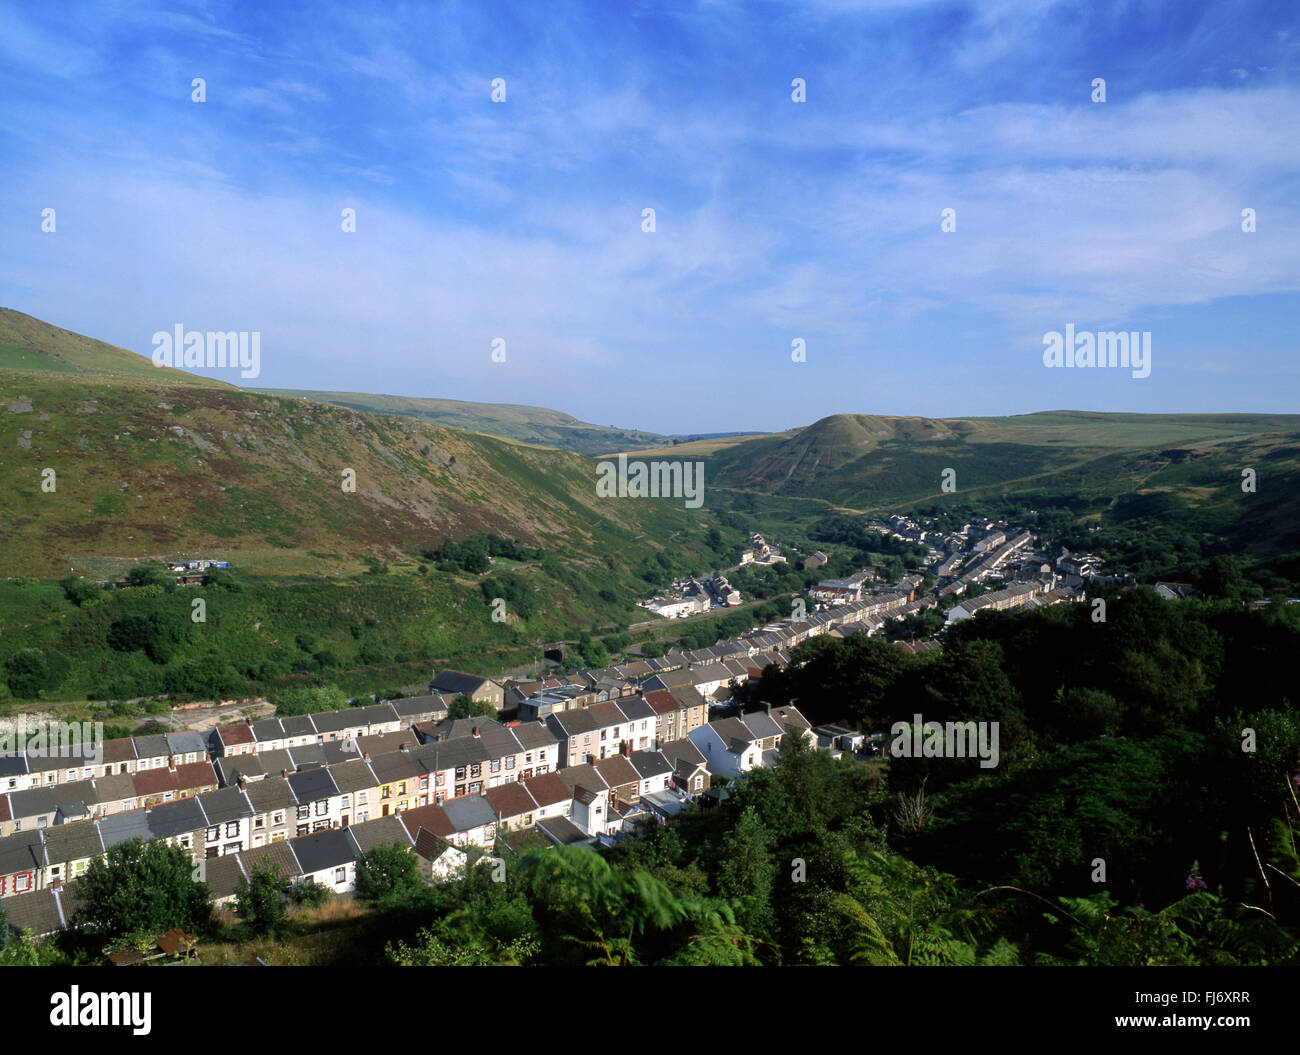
point(537, 425)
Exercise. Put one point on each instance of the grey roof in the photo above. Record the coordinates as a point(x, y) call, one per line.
point(277, 761)
point(682, 753)
point(469, 811)
point(650, 763)
point(635, 707)
point(72, 842)
point(21, 852)
point(396, 765)
point(225, 805)
point(418, 708)
point(450, 754)
point(273, 793)
point(378, 832)
point(563, 832)
point(298, 725)
point(277, 853)
point(456, 682)
point(497, 741)
point(222, 874)
point(353, 776)
point(268, 729)
point(339, 751)
point(337, 721)
point(762, 725)
point(231, 767)
point(307, 756)
point(13, 765)
point(35, 910)
point(151, 746)
point(322, 850)
point(116, 787)
point(534, 736)
point(119, 827)
point(311, 785)
point(176, 818)
point(574, 723)
point(183, 743)
point(33, 802)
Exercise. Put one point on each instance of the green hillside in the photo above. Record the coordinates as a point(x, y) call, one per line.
point(549, 428)
point(1182, 469)
point(30, 345)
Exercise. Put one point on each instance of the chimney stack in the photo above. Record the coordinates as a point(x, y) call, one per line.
point(476, 732)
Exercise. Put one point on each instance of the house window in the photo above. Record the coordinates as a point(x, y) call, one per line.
point(232, 829)
point(340, 875)
point(363, 816)
point(277, 817)
point(510, 762)
point(401, 788)
point(304, 812)
point(362, 797)
point(424, 783)
point(185, 841)
point(460, 772)
point(476, 770)
point(528, 757)
point(320, 826)
point(322, 807)
point(346, 801)
point(496, 765)
point(475, 788)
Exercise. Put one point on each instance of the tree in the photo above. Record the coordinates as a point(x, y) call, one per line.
point(142, 889)
point(151, 575)
point(465, 706)
point(387, 873)
point(27, 672)
point(259, 899)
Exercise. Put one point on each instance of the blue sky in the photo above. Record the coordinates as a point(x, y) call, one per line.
point(775, 220)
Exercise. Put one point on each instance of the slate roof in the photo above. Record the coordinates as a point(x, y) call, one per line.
point(650, 764)
point(278, 853)
point(72, 842)
point(456, 681)
point(469, 812)
point(396, 766)
point(273, 793)
point(563, 832)
point(221, 807)
point(322, 850)
point(312, 785)
point(152, 746)
point(186, 742)
point(298, 725)
point(534, 736)
point(350, 777)
point(119, 827)
point(378, 832)
point(636, 708)
point(175, 818)
point(21, 852)
point(419, 708)
point(222, 874)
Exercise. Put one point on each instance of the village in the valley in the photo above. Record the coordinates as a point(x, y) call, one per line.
point(586, 758)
